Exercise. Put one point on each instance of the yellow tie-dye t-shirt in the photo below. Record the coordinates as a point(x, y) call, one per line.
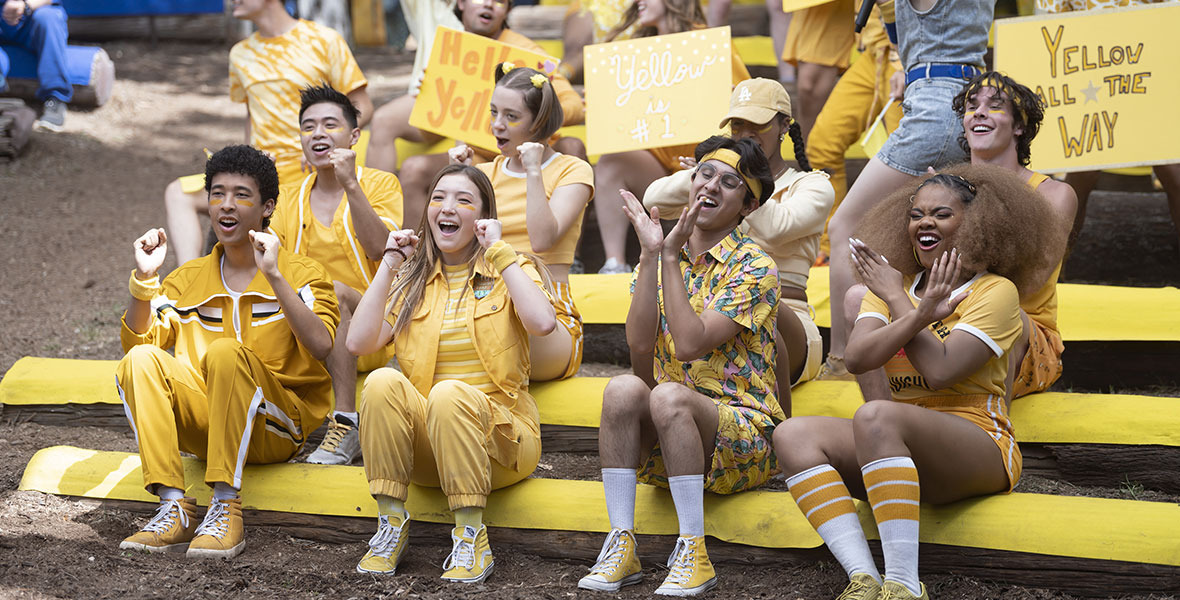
point(268, 73)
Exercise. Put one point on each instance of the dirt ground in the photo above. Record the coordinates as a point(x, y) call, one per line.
point(69, 210)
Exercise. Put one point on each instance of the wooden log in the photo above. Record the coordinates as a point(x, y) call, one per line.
point(199, 28)
point(1084, 577)
point(1152, 466)
point(99, 81)
point(16, 124)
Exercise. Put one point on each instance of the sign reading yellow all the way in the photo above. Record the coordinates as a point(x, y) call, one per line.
point(1110, 82)
point(457, 88)
point(657, 91)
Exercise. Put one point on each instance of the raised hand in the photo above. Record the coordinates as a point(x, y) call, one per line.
point(487, 232)
point(647, 226)
point(400, 245)
point(687, 162)
point(683, 228)
point(876, 273)
point(937, 303)
point(266, 252)
point(150, 250)
point(344, 164)
point(461, 154)
point(530, 155)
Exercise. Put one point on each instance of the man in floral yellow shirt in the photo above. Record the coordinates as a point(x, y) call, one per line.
point(700, 409)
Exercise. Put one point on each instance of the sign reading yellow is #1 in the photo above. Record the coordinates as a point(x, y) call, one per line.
point(457, 87)
point(657, 91)
point(1110, 82)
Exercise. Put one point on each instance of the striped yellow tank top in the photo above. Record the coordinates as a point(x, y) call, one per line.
point(457, 358)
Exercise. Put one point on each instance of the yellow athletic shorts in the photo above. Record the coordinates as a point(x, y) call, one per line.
point(1042, 363)
point(569, 318)
point(815, 344)
point(822, 35)
point(988, 412)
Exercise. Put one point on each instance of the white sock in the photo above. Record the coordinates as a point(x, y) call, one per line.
point(350, 418)
point(619, 487)
point(688, 494)
point(224, 491)
point(169, 493)
point(823, 498)
point(893, 491)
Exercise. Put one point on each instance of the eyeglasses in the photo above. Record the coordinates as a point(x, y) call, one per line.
point(729, 181)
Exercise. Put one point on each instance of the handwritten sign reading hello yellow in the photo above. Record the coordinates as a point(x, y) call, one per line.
point(457, 88)
point(657, 91)
point(1110, 82)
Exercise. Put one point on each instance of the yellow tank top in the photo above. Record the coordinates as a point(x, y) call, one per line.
point(1042, 305)
point(457, 358)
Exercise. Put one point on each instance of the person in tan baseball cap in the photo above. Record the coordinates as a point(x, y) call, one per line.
point(788, 225)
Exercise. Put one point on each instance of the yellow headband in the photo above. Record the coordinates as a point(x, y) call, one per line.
point(732, 158)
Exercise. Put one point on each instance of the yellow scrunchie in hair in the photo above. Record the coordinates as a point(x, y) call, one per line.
point(538, 80)
point(732, 159)
point(505, 67)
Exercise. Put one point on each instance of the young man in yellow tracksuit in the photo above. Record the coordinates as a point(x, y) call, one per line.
point(250, 325)
point(339, 215)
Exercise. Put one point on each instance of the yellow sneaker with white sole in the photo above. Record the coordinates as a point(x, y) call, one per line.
point(862, 587)
point(386, 547)
point(690, 572)
point(222, 533)
point(471, 558)
point(169, 530)
point(617, 564)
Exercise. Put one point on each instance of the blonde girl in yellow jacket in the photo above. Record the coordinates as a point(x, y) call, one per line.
point(458, 307)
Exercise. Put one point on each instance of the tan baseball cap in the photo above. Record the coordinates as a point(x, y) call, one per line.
point(757, 101)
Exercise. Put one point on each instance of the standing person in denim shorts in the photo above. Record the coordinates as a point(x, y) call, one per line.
point(941, 44)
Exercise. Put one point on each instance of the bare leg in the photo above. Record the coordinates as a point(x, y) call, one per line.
point(571, 146)
point(719, 13)
point(550, 355)
point(577, 31)
point(626, 432)
point(686, 421)
point(391, 121)
point(182, 215)
point(875, 182)
point(417, 173)
point(874, 385)
point(779, 23)
point(801, 443)
point(341, 363)
point(815, 85)
point(633, 171)
point(955, 458)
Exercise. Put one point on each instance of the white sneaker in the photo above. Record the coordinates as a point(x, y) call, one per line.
point(614, 267)
point(341, 445)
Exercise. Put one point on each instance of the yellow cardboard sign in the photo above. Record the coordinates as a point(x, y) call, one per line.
point(457, 87)
point(656, 91)
point(1110, 82)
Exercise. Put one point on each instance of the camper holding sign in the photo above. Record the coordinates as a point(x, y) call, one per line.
point(635, 170)
point(542, 196)
point(486, 18)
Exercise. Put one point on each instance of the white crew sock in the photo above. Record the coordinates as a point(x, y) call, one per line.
point(619, 488)
point(224, 491)
point(688, 494)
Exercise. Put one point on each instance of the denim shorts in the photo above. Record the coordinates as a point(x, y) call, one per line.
point(929, 132)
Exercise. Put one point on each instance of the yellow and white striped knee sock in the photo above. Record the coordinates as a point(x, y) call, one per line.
point(824, 500)
point(892, 486)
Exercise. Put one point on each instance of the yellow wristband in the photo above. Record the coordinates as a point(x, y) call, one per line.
point(144, 290)
point(500, 255)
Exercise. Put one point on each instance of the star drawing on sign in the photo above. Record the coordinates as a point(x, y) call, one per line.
point(1091, 92)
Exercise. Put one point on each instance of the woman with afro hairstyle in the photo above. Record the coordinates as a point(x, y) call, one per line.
point(944, 261)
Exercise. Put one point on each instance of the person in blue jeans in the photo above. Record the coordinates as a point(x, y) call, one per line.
point(39, 26)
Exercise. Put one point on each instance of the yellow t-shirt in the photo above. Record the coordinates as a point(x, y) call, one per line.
point(268, 73)
point(336, 246)
point(991, 312)
point(511, 201)
point(457, 358)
